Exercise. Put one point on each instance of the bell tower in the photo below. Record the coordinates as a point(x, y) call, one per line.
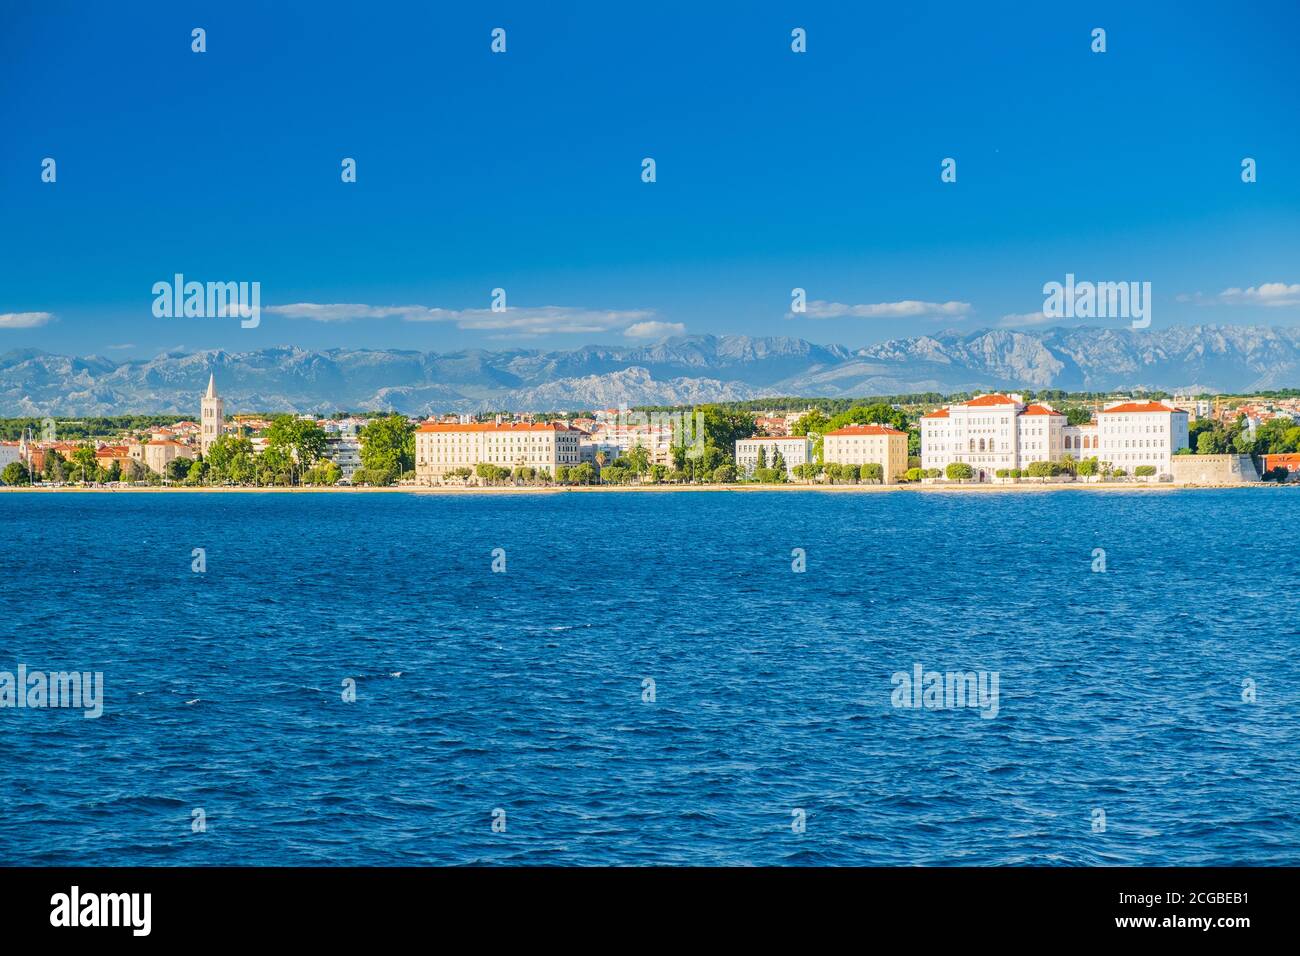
point(212, 416)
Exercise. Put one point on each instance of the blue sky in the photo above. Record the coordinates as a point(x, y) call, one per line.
point(522, 170)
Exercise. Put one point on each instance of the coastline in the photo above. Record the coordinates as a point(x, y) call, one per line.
point(652, 489)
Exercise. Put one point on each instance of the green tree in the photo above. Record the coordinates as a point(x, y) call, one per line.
point(55, 467)
point(323, 473)
point(83, 463)
point(1144, 471)
point(274, 466)
point(960, 471)
point(1211, 443)
point(16, 474)
point(224, 454)
point(388, 446)
point(178, 469)
point(724, 473)
point(638, 459)
point(300, 441)
point(197, 471)
point(762, 458)
point(872, 471)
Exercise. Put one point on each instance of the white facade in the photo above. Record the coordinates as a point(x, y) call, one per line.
point(991, 433)
point(796, 450)
point(343, 447)
point(1141, 433)
point(440, 448)
point(656, 438)
point(9, 452)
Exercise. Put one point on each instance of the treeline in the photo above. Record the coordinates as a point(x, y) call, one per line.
point(12, 429)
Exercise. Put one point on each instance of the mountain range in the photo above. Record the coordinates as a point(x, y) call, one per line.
point(681, 370)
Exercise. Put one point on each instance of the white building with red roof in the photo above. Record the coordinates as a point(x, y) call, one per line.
point(442, 447)
point(995, 432)
point(1133, 434)
point(991, 433)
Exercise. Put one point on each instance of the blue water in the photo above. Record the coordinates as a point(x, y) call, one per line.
point(522, 691)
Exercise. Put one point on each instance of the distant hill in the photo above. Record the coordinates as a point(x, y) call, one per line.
point(687, 369)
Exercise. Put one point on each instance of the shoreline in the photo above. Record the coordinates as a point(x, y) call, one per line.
point(986, 488)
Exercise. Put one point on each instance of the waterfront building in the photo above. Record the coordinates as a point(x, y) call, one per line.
point(622, 436)
point(106, 455)
point(868, 444)
point(1291, 462)
point(10, 451)
point(995, 432)
point(440, 447)
point(212, 416)
point(991, 433)
point(158, 454)
point(1141, 433)
point(343, 446)
point(795, 450)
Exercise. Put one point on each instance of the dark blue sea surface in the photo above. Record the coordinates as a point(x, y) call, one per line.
point(1120, 691)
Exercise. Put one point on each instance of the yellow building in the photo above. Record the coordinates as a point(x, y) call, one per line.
point(868, 444)
point(442, 447)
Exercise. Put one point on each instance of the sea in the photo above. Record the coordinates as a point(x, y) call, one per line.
point(1072, 678)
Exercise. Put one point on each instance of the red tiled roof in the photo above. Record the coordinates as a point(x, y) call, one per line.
point(1041, 410)
point(941, 413)
point(986, 400)
point(866, 430)
point(1128, 407)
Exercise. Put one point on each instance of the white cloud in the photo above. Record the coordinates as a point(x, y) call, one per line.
point(654, 330)
point(1269, 294)
point(24, 320)
point(342, 312)
point(1025, 318)
point(125, 345)
point(907, 308)
point(542, 320)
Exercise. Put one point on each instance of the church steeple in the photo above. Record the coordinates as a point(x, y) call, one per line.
point(212, 416)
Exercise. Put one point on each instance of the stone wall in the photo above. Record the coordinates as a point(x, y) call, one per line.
point(1212, 469)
